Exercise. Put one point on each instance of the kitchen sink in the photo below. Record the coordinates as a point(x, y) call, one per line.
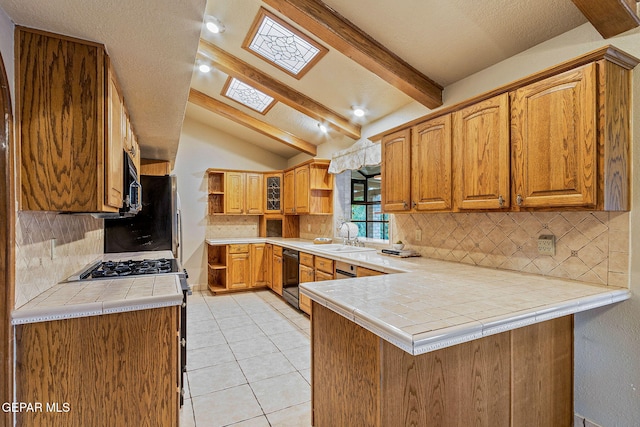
point(335, 247)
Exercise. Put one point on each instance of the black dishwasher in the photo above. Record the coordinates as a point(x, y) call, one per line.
point(290, 276)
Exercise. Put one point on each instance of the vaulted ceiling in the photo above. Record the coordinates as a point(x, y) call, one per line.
point(381, 56)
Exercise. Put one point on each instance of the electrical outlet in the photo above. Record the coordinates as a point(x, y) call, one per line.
point(418, 235)
point(547, 244)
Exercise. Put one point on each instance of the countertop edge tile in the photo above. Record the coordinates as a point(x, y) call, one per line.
point(45, 314)
point(385, 331)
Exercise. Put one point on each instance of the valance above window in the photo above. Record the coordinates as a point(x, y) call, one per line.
point(362, 153)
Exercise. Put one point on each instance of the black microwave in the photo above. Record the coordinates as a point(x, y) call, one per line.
point(132, 195)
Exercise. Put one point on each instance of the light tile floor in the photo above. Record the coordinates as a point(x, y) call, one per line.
point(248, 362)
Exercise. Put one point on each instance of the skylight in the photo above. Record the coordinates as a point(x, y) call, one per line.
point(274, 40)
point(247, 95)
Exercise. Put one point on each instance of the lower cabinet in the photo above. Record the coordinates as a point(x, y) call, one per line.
point(277, 270)
point(366, 272)
point(307, 274)
point(118, 369)
point(237, 267)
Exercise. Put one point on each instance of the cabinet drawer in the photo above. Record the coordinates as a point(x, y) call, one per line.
point(321, 275)
point(238, 249)
point(366, 272)
point(306, 259)
point(277, 250)
point(324, 264)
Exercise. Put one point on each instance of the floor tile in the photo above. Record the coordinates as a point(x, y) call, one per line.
point(252, 347)
point(204, 339)
point(243, 333)
point(196, 327)
point(273, 328)
point(300, 357)
point(209, 356)
point(260, 421)
point(265, 366)
point(226, 407)
point(289, 340)
point(214, 378)
point(306, 373)
point(293, 416)
point(235, 321)
point(187, 419)
point(281, 392)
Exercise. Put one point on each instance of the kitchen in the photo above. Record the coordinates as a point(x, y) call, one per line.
point(604, 335)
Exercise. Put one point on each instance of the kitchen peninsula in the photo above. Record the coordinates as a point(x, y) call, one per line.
point(440, 343)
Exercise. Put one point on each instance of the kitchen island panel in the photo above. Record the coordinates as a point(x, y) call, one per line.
point(111, 370)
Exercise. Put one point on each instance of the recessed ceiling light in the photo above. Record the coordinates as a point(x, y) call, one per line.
point(204, 68)
point(214, 25)
point(323, 128)
point(358, 111)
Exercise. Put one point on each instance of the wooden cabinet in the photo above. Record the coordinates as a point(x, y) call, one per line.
point(321, 275)
point(554, 133)
point(367, 272)
point(154, 167)
point(431, 181)
point(307, 274)
point(258, 265)
point(277, 270)
point(238, 267)
point(268, 264)
point(273, 184)
point(235, 192)
point(118, 369)
point(556, 139)
point(308, 189)
point(482, 155)
point(70, 130)
point(324, 265)
point(396, 171)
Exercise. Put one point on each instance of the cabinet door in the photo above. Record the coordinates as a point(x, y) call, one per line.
point(234, 192)
point(553, 131)
point(238, 271)
point(114, 174)
point(258, 265)
point(268, 265)
point(254, 194)
point(306, 275)
point(481, 141)
point(273, 193)
point(277, 274)
point(302, 189)
point(431, 165)
point(396, 171)
point(321, 275)
point(289, 192)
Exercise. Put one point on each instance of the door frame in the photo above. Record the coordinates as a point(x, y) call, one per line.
point(7, 244)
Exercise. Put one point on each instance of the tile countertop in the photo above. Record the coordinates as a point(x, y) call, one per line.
point(67, 300)
point(434, 304)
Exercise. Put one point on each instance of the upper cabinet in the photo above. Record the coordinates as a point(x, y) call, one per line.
point(553, 125)
point(273, 193)
point(396, 171)
point(235, 192)
point(308, 189)
point(481, 160)
point(70, 130)
point(556, 139)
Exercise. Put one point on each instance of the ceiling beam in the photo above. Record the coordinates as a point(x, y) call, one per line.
point(610, 17)
point(205, 101)
point(344, 36)
point(250, 75)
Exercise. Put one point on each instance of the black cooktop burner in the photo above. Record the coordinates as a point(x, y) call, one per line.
point(131, 268)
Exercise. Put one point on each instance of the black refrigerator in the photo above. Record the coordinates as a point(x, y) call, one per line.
point(155, 228)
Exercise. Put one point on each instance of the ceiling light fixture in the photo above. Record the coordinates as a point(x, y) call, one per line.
point(323, 128)
point(204, 68)
point(214, 25)
point(358, 111)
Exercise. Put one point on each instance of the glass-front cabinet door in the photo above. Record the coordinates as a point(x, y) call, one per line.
point(273, 196)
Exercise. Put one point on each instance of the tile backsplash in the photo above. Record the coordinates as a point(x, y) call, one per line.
point(591, 247)
point(219, 226)
point(40, 264)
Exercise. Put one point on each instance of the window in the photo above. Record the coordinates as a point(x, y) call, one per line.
point(366, 204)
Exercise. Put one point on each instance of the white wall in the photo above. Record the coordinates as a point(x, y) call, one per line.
point(6, 49)
point(202, 147)
point(607, 340)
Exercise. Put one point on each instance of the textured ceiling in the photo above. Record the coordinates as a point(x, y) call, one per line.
point(152, 46)
point(447, 40)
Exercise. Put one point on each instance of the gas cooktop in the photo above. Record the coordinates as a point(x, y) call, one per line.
point(111, 269)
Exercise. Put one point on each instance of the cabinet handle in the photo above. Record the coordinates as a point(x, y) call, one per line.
point(404, 204)
point(413, 204)
point(519, 200)
point(183, 342)
point(500, 201)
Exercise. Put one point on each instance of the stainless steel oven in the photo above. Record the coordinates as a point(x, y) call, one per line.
point(290, 276)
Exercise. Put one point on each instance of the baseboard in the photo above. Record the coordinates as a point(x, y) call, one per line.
point(580, 421)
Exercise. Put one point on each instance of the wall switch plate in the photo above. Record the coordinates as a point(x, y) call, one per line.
point(418, 235)
point(547, 244)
